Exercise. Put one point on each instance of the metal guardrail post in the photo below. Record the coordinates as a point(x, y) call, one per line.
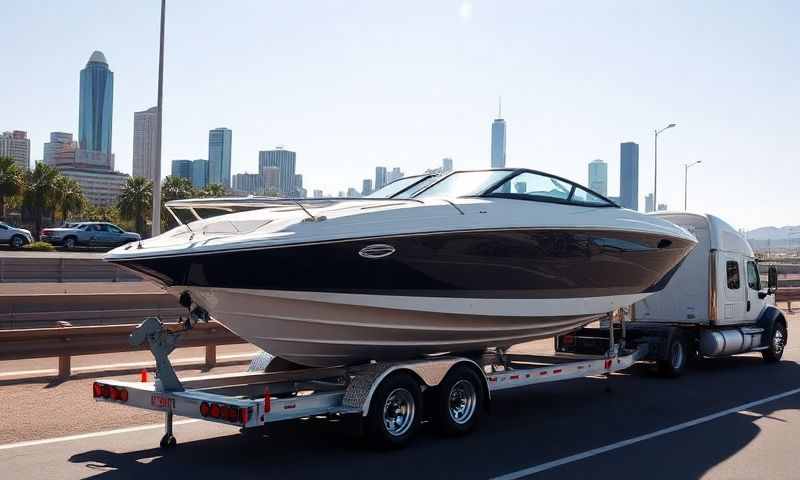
point(211, 356)
point(2, 269)
point(64, 366)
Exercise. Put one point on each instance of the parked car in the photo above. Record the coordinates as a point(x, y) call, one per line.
point(89, 234)
point(13, 236)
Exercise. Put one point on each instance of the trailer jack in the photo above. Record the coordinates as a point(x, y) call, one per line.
point(162, 342)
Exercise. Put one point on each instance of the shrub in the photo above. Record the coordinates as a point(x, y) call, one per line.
point(40, 247)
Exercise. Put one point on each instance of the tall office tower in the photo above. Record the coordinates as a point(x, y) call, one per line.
point(16, 145)
point(145, 133)
point(219, 156)
point(499, 140)
point(272, 180)
point(395, 174)
point(598, 177)
point(380, 177)
point(318, 194)
point(447, 165)
point(648, 203)
point(60, 150)
point(200, 173)
point(286, 161)
point(95, 114)
point(298, 183)
point(353, 193)
point(248, 183)
point(182, 168)
point(366, 186)
point(662, 207)
point(629, 175)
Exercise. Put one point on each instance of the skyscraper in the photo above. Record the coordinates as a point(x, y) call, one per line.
point(219, 156)
point(145, 131)
point(380, 177)
point(395, 174)
point(447, 165)
point(182, 168)
point(366, 186)
point(286, 161)
point(96, 105)
point(353, 193)
point(16, 145)
point(272, 180)
point(499, 140)
point(248, 183)
point(648, 203)
point(318, 194)
point(629, 175)
point(200, 173)
point(60, 150)
point(598, 176)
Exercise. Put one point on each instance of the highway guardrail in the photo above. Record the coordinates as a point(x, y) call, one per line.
point(788, 295)
point(66, 342)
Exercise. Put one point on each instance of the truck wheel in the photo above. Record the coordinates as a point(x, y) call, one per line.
point(674, 364)
point(394, 412)
point(459, 401)
point(69, 243)
point(777, 343)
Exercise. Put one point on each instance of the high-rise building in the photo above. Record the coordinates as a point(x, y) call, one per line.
point(145, 133)
point(219, 156)
point(662, 207)
point(200, 173)
point(648, 203)
point(286, 161)
point(447, 165)
point(16, 145)
point(380, 177)
point(60, 150)
point(598, 176)
point(248, 183)
point(95, 113)
point(499, 140)
point(629, 175)
point(272, 180)
point(182, 168)
point(101, 187)
point(395, 174)
point(318, 194)
point(366, 186)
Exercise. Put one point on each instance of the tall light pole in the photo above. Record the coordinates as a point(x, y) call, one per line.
point(686, 167)
point(156, 228)
point(655, 165)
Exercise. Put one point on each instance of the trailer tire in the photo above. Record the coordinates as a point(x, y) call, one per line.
point(459, 401)
point(168, 442)
point(777, 343)
point(394, 411)
point(677, 355)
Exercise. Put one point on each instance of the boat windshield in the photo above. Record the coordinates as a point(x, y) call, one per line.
point(396, 187)
point(463, 184)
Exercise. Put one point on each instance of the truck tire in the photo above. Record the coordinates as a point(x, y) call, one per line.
point(394, 411)
point(459, 401)
point(777, 343)
point(677, 355)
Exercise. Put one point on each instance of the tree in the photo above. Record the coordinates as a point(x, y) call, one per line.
point(39, 196)
point(12, 182)
point(68, 195)
point(173, 188)
point(213, 190)
point(136, 201)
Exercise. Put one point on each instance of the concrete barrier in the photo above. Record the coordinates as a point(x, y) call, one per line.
point(16, 267)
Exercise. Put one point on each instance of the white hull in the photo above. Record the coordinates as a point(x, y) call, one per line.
point(325, 329)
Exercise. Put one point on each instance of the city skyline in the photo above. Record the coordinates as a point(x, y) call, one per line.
point(574, 102)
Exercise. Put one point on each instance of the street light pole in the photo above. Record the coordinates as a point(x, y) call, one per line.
point(156, 227)
point(656, 132)
point(686, 181)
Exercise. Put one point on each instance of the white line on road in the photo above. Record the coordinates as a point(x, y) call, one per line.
point(179, 361)
point(624, 443)
point(70, 438)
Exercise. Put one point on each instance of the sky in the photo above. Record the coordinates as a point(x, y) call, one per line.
point(352, 85)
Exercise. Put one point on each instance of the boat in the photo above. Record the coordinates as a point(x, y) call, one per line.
point(476, 259)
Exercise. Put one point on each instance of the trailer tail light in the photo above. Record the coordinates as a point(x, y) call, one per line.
point(267, 400)
point(106, 391)
point(224, 412)
point(110, 393)
point(123, 395)
point(97, 390)
point(114, 394)
point(214, 411)
point(204, 409)
point(568, 339)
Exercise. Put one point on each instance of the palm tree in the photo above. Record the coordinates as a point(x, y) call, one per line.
point(213, 190)
point(69, 197)
point(173, 188)
point(136, 201)
point(39, 192)
point(11, 182)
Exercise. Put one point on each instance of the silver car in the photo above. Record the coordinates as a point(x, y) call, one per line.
point(15, 237)
point(88, 234)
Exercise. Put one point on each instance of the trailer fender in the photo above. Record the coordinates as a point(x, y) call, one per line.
point(767, 321)
point(429, 373)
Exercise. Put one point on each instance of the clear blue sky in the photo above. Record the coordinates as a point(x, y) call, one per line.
point(351, 85)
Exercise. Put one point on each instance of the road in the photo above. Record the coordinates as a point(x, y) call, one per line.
point(728, 418)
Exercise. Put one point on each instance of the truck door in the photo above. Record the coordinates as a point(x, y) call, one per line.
point(754, 304)
point(734, 292)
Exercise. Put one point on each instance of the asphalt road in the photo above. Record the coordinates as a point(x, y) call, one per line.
point(631, 425)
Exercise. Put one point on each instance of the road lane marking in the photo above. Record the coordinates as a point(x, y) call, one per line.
point(625, 443)
point(83, 436)
point(179, 361)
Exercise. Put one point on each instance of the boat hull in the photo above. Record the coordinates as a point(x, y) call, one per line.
point(322, 329)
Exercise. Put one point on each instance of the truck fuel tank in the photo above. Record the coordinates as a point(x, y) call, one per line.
point(729, 341)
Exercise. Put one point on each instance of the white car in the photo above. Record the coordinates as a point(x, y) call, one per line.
point(15, 237)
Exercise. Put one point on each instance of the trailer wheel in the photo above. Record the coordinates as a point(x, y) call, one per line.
point(459, 401)
point(677, 354)
point(777, 343)
point(394, 412)
point(167, 442)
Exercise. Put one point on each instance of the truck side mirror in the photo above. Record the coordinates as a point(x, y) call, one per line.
point(772, 280)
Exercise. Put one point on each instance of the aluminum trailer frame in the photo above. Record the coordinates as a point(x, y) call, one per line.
point(256, 398)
